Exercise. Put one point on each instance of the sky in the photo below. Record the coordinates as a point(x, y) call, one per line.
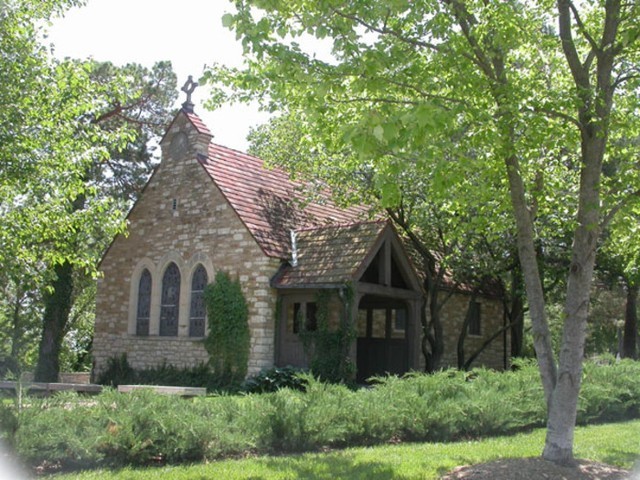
point(189, 33)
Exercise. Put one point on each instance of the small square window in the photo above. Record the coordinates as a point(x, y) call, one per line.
point(310, 320)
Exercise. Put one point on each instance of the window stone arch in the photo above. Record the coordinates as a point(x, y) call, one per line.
point(197, 310)
point(170, 301)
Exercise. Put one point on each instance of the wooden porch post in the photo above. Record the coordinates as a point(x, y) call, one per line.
point(353, 350)
point(414, 333)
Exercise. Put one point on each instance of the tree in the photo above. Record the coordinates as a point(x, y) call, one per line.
point(20, 301)
point(45, 144)
point(44, 139)
point(133, 99)
point(59, 124)
point(430, 81)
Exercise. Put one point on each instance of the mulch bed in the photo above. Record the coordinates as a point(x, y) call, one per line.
point(537, 468)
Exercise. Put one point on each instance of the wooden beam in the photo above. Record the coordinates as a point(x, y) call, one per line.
point(385, 291)
point(387, 263)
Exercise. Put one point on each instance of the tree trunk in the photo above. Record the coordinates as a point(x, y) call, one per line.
point(563, 409)
point(516, 313)
point(531, 274)
point(427, 344)
point(630, 338)
point(594, 88)
point(463, 333)
point(14, 363)
point(56, 315)
point(437, 345)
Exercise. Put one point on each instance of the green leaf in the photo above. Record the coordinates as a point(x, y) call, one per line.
point(378, 132)
point(228, 20)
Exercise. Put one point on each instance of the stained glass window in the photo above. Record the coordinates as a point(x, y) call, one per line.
point(169, 307)
point(144, 303)
point(198, 312)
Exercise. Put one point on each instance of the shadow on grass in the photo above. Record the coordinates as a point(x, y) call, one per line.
point(621, 457)
point(319, 466)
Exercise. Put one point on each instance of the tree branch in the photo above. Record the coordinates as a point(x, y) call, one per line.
point(563, 116)
point(373, 100)
point(606, 219)
point(465, 21)
point(423, 93)
point(583, 30)
point(580, 75)
point(623, 78)
point(387, 31)
point(488, 342)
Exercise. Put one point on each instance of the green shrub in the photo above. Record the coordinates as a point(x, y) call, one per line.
point(609, 392)
point(274, 379)
point(198, 376)
point(331, 420)
point(119, 372)
point(145, 428)
point(60, 430)
point(296, 421)
point(8, 421)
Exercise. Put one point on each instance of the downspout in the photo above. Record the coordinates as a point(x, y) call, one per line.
point(294, 249)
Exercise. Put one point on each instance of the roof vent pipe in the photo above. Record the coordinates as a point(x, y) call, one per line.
point(294, 249)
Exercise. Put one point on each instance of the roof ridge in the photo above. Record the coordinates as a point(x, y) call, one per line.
point(197, 122)
point(244, 154)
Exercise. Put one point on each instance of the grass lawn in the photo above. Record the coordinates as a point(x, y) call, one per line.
point(615, 443)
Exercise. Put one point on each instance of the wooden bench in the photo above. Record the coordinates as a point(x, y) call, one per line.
point(48, 388)
point(182, 391)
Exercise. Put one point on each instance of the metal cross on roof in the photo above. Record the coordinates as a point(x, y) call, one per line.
point(188, 88)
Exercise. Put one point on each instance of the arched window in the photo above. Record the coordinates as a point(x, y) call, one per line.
point(169, 304)
point(198, 312)
point(144, 303)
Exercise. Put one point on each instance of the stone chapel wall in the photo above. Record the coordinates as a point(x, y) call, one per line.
point(491, 320)
point(183, 218)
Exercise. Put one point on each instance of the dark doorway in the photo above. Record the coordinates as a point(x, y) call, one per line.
point(297, 314)
point(382, 337)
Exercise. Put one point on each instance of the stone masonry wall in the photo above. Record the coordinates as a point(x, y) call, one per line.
point(183, 218)
point(491, 320)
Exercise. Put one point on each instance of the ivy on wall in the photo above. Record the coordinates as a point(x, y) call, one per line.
point(228, 341)
point(328, 348)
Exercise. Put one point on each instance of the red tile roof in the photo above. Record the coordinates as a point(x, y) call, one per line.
point(330, 255)
point(194, 119)
point(198, 123)
point(268, 202)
